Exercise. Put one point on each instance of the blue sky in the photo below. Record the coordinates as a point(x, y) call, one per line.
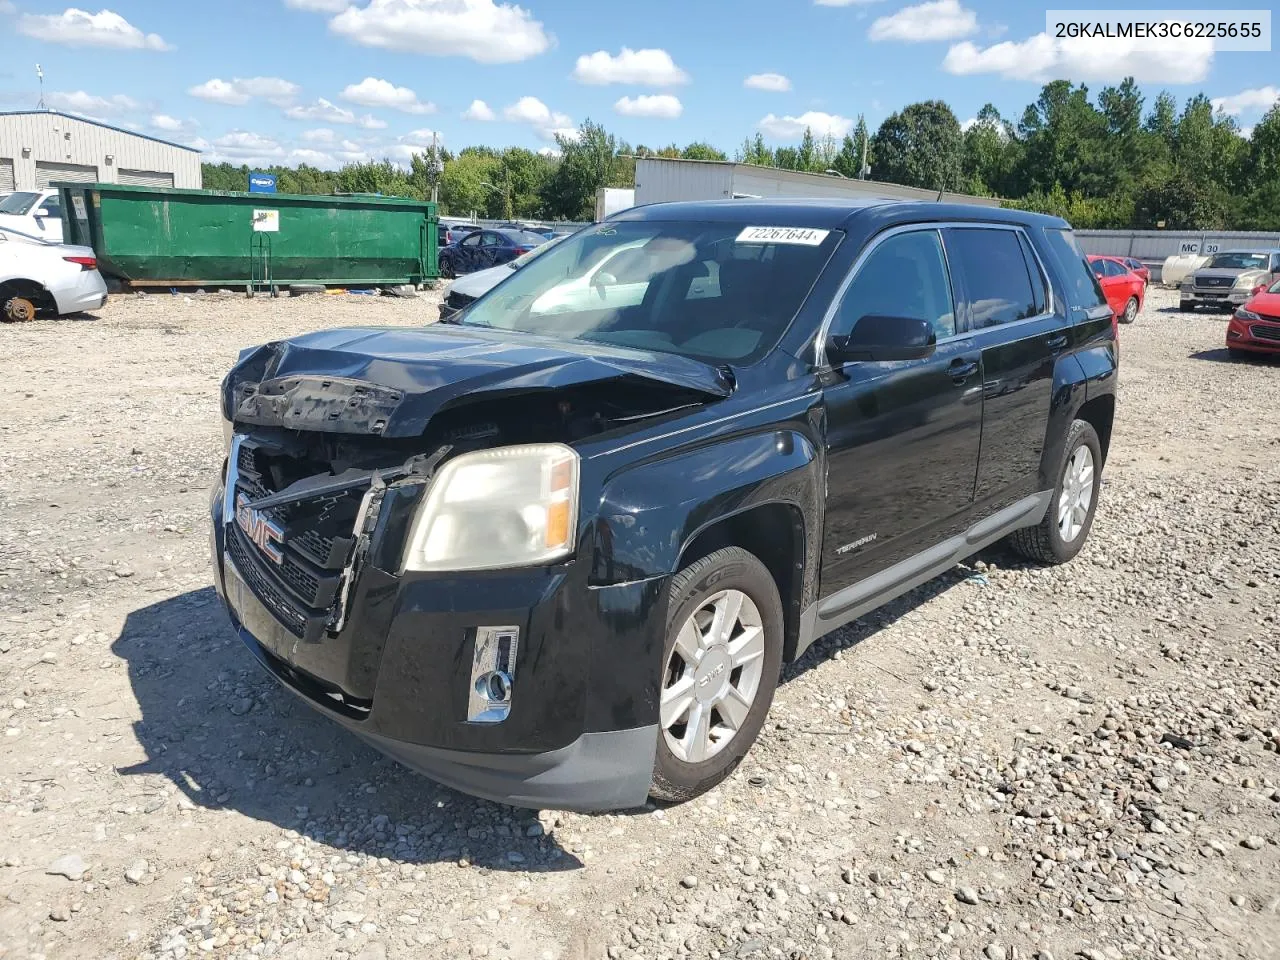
point(327, 81)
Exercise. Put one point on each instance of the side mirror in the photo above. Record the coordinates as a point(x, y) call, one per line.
point(881, 338)
point(603, 279)
point(42, 212)
point(1260, 288)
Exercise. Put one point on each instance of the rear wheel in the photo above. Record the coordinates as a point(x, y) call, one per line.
point(720, 666)
point(1066, 524)
point(1130, 311)
point(19, 309)
point(446, 268)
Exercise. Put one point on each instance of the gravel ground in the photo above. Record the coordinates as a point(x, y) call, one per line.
point(1009, 762)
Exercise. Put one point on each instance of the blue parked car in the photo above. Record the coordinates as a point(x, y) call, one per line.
point(482, 249)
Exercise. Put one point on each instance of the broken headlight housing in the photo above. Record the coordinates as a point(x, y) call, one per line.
point(511, 506)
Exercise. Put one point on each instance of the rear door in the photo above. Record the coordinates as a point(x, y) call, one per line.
point(902, 437)
point(1006, 304)
point(493, 246)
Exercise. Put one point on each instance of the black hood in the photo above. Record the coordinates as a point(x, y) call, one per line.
point(391, 381)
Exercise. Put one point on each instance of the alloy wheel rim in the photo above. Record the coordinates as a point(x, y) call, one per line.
point(712, 676)
point(1131, 310)
point(1076, 496)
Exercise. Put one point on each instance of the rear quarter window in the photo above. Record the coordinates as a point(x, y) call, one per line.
point(1081, 286)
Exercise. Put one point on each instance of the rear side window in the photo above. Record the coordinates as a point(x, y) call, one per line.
point(997, 281)
point(1082, 287)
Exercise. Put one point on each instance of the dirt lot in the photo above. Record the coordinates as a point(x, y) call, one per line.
point(1010, 762)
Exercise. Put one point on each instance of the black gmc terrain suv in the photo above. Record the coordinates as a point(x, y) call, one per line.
point(555, 551)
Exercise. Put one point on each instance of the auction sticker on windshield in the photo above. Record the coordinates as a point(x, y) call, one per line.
point(804, 236)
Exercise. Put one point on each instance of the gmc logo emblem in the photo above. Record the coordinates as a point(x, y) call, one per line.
point(266, 534)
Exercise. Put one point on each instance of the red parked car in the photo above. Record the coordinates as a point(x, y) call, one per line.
point(1123, 288)
point(1255, 327)
point(1138, 267)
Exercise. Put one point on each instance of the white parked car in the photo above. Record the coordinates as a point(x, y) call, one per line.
point(37, 213)
point(56, 277)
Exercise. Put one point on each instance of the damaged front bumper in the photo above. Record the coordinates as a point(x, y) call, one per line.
point(391, 661)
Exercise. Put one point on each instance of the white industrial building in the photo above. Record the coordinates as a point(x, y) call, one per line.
point(39, 147)
point(659, 180)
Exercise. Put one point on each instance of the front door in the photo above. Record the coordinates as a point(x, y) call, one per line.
point(902, 437)
point(1005, 303)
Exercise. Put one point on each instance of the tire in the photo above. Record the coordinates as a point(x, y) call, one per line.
point(1053, 541)
point(741, 675)
point(303, 289)
point(1187, 306)
point(1130, 311)
point(446, 268)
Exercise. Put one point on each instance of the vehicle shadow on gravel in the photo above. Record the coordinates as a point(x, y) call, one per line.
point(229, 737)
point(1220, 355)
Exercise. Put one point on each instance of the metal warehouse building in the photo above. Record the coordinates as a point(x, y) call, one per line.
point(659, 180)
point(39, 147)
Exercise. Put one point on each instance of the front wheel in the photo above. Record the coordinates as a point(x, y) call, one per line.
point(1187, 306)
point(1130, 311)
point(720, 667)
point(1066, 524)
point(446, 268)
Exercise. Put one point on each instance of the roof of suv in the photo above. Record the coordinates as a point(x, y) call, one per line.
point(827, 213)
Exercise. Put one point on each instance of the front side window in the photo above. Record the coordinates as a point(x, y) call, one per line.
point(904, 276)
point(997, 280)
point(471, 241)
point(721, 292)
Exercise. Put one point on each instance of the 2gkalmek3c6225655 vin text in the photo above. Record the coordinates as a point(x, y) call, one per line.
point(556, 550)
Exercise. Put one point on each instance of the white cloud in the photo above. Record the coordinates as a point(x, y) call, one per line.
point(773, 82)
point(483, 30)
point(844, 3)
point(319, 135)
point(479, 110)
point(87, 103)
point(373, 92)
point(1258, 98)
point(548, 152)
point(1041, 58)
point(651, 68)
point(971, 122)
point(936, 20)
point(319, 6)
point(313, 158)
point(793, 128)
point(172, 125)
point(659, 105)
point(239, 91)
point(6, 6)
point(241, 146)
point(80, 28)
point(1246, 132)
point(326, 111)
point(547, 122)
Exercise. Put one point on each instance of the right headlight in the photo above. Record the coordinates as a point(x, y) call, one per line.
point(506, 507)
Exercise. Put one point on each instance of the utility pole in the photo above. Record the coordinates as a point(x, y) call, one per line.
point(437, 168)
point(40, 77)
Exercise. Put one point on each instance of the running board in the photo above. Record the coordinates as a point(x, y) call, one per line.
point(878, 589)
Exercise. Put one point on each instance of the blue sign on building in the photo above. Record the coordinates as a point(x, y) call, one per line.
point(262, 183)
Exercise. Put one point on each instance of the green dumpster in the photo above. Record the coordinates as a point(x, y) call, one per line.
point(167, 237)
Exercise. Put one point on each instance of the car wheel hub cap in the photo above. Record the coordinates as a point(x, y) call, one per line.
point(712, 676)
point(1077, 494)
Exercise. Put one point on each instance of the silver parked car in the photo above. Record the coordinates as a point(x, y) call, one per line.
point(1229, 278)
point(36, 275)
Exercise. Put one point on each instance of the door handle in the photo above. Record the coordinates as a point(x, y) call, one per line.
point(961, 370)
point(1056, 342)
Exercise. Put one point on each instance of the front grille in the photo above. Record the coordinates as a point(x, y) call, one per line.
point(1215, 281)
point(262, 586)
point(1265, 333)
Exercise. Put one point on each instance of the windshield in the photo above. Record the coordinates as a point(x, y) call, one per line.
point(714, 291)
point(1239, 261)
point(537, 251)
point(19, 204)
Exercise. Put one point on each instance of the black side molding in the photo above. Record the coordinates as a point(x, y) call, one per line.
point(866, 595)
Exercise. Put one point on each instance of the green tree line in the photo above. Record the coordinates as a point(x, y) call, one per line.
point(1110, 161)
